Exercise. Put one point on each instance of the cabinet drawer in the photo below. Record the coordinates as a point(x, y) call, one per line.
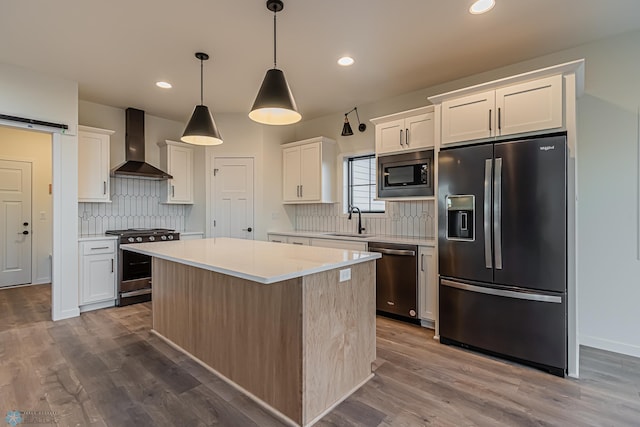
point(98, 247)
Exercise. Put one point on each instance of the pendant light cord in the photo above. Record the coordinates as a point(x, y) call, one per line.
point(201, 83)
point(275, 65)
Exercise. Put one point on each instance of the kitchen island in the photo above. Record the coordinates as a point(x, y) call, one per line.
point(293, 327)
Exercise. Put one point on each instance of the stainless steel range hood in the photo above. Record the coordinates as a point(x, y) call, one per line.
point(134, 165)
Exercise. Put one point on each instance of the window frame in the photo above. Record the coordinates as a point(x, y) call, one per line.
point(349, 185)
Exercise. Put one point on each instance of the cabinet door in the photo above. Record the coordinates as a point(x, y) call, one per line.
point(98, 278)
point(390, 136)
point(427, 284)
point(302, 241)
point(310, 172)
point(419, 131)
point(180, 165)
point(93, 167)
point(530, 106)
point(469, 117)
point(291, 174)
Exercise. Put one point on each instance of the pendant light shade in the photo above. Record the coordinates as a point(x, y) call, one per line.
point(201, 129)
point(274, 104)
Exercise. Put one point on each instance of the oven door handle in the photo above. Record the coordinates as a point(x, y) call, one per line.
point(139, 263)
point(139, 292)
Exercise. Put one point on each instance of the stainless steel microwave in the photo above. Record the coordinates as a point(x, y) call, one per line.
point(406, 175)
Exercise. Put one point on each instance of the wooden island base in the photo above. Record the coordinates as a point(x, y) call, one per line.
point(298, 347)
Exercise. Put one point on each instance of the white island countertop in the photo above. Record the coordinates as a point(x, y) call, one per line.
point(262, 262)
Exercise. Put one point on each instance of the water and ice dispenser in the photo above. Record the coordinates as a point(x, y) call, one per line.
point(460, 217)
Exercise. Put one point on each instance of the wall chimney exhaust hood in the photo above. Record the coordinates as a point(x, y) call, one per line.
point(134, 165)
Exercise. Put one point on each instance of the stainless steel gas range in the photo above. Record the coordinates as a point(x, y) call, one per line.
point(134, 270)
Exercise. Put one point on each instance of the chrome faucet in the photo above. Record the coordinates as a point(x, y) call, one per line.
point(360, 227)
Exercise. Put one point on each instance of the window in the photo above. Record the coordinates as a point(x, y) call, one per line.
point(361, 184)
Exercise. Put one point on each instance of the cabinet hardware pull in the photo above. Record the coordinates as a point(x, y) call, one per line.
point(499, 119)
point(489, 120)
point(300, 190)
point(422, 262)
point(297, 191)
point(406, 136)
point(276, 241)
point(104, 187)
point(401, 143)
point(112, 265)
point(101, 247)
point(173, 191)
point(298, 243)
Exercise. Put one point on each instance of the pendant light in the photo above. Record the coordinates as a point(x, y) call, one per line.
point(346, 128)
point(274, 104)
point(201, 129)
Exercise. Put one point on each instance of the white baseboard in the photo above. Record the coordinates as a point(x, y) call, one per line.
point(609, 345)
point(65, 314)
point(97, 305)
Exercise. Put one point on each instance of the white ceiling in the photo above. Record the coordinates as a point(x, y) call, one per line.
point(117, 49)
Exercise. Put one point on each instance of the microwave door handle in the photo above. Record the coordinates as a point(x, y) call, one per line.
point(487, 213)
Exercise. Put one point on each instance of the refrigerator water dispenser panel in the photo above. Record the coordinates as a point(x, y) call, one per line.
point(460, 217)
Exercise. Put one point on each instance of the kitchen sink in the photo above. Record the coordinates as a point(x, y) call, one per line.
point(361, 236)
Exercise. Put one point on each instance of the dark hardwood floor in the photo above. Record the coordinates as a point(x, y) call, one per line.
point(106, 369)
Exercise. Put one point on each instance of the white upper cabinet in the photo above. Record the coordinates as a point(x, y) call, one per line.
point(93, 164)
point(308, 171)
point(529, 106)
point(176, 158)
point(469, 117)
point(404, 131)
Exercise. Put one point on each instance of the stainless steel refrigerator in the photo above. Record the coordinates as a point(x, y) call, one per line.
point(502, 244)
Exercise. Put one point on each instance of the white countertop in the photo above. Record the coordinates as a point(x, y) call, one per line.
point(88, 237)
point(262, 262)
point(419, 241)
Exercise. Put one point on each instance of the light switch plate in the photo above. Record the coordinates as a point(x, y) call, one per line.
point(345, 274)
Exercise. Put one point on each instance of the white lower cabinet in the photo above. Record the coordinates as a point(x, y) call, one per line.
point(339, 244)
point(98, 267)
point(191, 235)
point(427, 284)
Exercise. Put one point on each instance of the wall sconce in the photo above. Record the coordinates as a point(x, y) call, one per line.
point(346, 128)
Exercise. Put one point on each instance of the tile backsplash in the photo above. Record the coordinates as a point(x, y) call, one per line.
point(135, 203)
point(415, 218)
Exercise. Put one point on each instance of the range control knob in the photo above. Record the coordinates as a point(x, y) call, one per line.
point(138, 239)
point(130, 240)
point(163, 237)
point(170, 237)
point(151, 238)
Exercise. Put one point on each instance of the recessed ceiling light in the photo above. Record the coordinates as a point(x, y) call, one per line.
point(164, 85)
point(482, 6)
point(345, 61)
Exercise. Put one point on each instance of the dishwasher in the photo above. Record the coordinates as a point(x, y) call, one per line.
point(396, 280)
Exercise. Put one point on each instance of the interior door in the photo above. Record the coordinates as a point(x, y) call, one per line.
point(233, 198)
point(15, 223)
point(531, 230)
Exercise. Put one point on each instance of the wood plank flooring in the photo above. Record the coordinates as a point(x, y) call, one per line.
point(106, 369)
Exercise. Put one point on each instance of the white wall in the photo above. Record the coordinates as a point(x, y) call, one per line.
point(608, 179)
point(37, 96)
point(35, 147)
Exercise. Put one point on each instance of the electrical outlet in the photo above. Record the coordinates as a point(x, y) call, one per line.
point(345, 274)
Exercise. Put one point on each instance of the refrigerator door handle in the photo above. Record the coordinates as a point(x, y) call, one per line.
point(501, 292)
point(487, 214)
point(497, 213)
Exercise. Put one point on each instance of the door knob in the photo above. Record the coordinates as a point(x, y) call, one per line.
point(25, 232)
point(26, 224)
point(248, 229)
